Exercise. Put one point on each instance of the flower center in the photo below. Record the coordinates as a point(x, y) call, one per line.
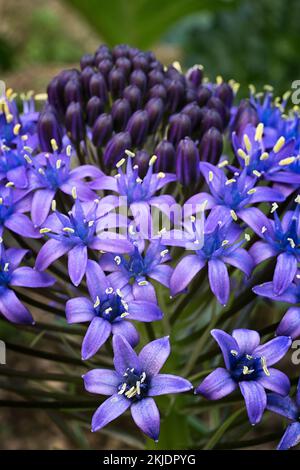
point(112, 306)
point(5, 274)
point(246, 367)
point(134, 385)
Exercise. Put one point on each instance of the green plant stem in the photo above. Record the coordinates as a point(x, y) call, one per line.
point(222, 429)
point(4, 371)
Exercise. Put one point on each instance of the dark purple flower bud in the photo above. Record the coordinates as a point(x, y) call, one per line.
point(195, 75)
point(203, 95)
point(74, 122)
point(54, 96)
point(156, 65)
point(48, 128)
point(86, 61)
point(142, 161)
point(105, 66)
point(245, 114)
point(211, 146)
point(218, 105)
point(225, 93)
point(103, 48)
point(173, 74)
point(117, 82)
point(138, 126)
point(158, 91)
point(120, 112)
point(124, 64)
point(73, 91)
point(86, 76)
point(121, 50)
point(102, 55)
point(140, 61)
point(116, 147)
point(134, 96)
point(195, 114)
point(180, 126)
point(155, 110)
point(190, 94)
point(155, 77)
point(133, 51)
point(94, 108)
point(165, 153)
point(187, 162)
point(102, 130)
point(211, 118)
point(175, 95)
point(98, 86)
point(139, 79)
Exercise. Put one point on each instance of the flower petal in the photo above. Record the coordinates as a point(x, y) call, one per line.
point(102, 381)
point(142, 310)
point(13, 309)
point(261, 251)
point(161, 273)
point(111, 409)
point(290, 323)
point(163, 384)
point(41, 204)
point(285, 271)
point(184, 272)
point(79, 310)
point(291, 437)
point(96, 335)
point(283, 406)
point(144, 292)
point(247, 340)
point(240, 259)
point(217, 385)
point(153, 356)
point(277, 382)
point(266, 290)
point(273, 350)
point(219, 280)
point(124, 356)
point(96, 280)
point(22, 225)
point(127, 330)
point(28, 277)
point(227, 344)
point(77, 262)
point(256, 220)
point(255, 399)
point(146, 416)
point(50, 252)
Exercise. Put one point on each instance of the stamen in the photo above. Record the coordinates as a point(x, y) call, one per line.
point(54, 145)
point(234, 352)
point(264, 156)
point(16, 129)
point(74, 193)
point(143, 377)
point(279, 144)
point(120, 162)
point(122, 389)
point(233, 215)
point(225, 242)
point(274, 207)
point(291, 242)
point(228, 182)
point(45, 230)
point(129, 153)
point(68, 150)
point(210, 176)
point(251, 191)
point(247, 143)
point(297, 200)
point(177, 66)
point(6, 267)
point(108, 310)
point(264, 229)
point(264, 366)
point(161, 175)
point(9, 184)
point(68, 230)
point(97, 303)
point(164, 252)
point(259, 132)
point(152, 160)
point(109, 290)
point(91, 223)
point(117, 260)
point(143, 283)
point(247, 237)
point(256, 173)
point(287, 161)
point(53, 205)
point(41, 171)
point(223, 163)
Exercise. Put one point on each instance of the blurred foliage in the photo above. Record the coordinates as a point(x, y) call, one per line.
point(140, 23)
point(256, 43)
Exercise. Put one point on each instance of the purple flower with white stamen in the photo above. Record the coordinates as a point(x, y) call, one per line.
point(74, 234)
point(133, 384)
point(134, 270)
point(51, 172)
point(13, 276)
point(289, 408)
point(108, 311)
point(220, 246)
point(291, 295)
point(247, 367)
point(280, 238)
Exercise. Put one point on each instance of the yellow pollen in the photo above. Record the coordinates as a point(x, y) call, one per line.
point(210, 176)
point(241, 153)
point(256, 173)
point(68, 150)
point(252, 89)
point(53, 205)
point(9, 184)
point(264, 156)
point(228, 182)
point(287, 161)
point(161, 175)
point(223, 163)
point(259, 132)
point(264, 366)
point(225, 242)
point(219, 80)
point(45, 230)
point(27, 158)
point(233, 215)
point(54, 145)
point(68, 230)
point(251, 191)
point(234, 352)
point(274, 207)
point(297, 200)
point(58, 164)
point(97, 303)
point(129, 153)
point(247, 237)
point(152, 160)
point(247, 143)
point(16, 129)
point(177, 66)
point(279, 144)
point(74, 193)
point(143, 283)
point(120, 162)
point(41, 97)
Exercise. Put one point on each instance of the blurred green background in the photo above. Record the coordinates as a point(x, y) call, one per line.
point(253, 41)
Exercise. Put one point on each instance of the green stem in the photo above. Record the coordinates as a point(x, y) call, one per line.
point(222, 429)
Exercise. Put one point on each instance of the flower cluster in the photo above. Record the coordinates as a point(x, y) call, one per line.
point(118, 142)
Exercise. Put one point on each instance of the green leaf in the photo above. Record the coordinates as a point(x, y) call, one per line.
point(141, 22)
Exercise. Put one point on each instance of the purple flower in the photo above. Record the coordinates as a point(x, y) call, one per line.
point(247, 367)
point(11, 276)
point(108, 311)
point(51, 172)
point(13, 204)
point(280, 238)
point(218, 248)
point(134, 382)
point(74, 234)
point(14, 164)
point(229, 197)
point(290, 409)
point(135, 270)
point(291, 295)
point(290, 323)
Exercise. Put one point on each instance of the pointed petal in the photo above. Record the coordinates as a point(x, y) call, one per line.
point(127, 330)
point(247, 340)
point(265, 194)
point(283, 406)
point(153, 356)
point(261, 251)
point(145, 292)
point(144, 311)
point(13, 309)
point(255, 399)
point(111, 409)
point(98, 332)
point(41, 204)
point(266, 290)
point(102, 381)
point(276, 382)
point(285, 271)
point(77, 261)
point(22, 225)
point(219, 280)
point(273, 350)
point(227, 344)
point(161, 273)
point(217, 385)
point(28, 277)
point(256, 220)
point(124, 356)
point(96, 280)
point(291, 437)
point(79, 310)
point(163, 384)
point(146, 416)
point(290, 323)
point(240, 259)
point(184, 272)
point(50, 252)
